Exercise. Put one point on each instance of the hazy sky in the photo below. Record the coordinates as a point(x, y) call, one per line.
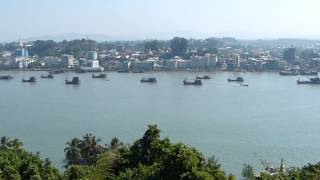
point(148, 18)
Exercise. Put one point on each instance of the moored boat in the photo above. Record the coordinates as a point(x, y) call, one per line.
point(315, 80)
point(100, 76)
point(7, 77)
point(289, 73)
point(192, 82)
point(31, 79)
point(203, 77)
point(137, 71)
point(49, 76)
point(238, 79)
point(148, 80)
point(308, 73)
point(75, 80)
point(56, 72)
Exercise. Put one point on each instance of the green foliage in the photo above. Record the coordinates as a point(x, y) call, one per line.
point(44, 48)
point(149, 157)
point(154, 158)
point(247, 172)
point(105, 165)
point(84, 151)
point(16, 163)
point(77, 172)
point(153, 45)
point(115, 144)
point(179, 46)
point(78, 47)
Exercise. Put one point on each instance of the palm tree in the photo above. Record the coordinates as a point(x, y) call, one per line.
point(73, 152)
point(4, 142)
point(15, 143)
point(105, 165)
point(90, 148)
point(115, 144)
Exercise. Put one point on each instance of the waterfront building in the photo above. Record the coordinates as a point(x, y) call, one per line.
point(21, 53)
point(174, 63)
point(94, 63)
point(68, 60)
point(208, 61)
point(271, 65)
point(182, 64)
point(52, 61)
point(92, 55)
point(143, 66)
point(283, 65)
point(289, 54)
point(21, 56)
point(124, 66)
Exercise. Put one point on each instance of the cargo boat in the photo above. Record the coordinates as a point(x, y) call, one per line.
point(6, 77)
point(192, 82)
point(203, 77)
point(31, 79)
point(238, 79)
point(148, 80)
point(315, 80)
point(75, 80)
point(100, 76)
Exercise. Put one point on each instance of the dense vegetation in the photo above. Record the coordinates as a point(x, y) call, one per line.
point(150, 157)
point(147, 158)
point(16, 163)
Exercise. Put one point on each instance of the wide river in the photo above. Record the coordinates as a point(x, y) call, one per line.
point(272, 118)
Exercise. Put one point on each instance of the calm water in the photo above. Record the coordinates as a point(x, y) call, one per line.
point(271, 119)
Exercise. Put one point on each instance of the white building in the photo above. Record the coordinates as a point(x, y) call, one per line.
point(92, 55)
point(68, 60)
point(182, 64)
point(94, 63)
point(207, 61)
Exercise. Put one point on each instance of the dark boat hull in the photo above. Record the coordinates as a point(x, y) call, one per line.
point(233, 80)
point(6, 77)
point(196, 82)
point(147, 81)
point(47, 77)
point(28, 81)
point(204, 77)
point(307, 82)
point(101, 76)
point(289, 73)
point(72, 83)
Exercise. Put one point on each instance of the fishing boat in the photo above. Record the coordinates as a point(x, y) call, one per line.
point(75, 80)
point(49, 76)
point(56, 72)
point(315, 80)
point(308, 73)
point(238, 79)
point(8, 77)
point(192, 82)
point(100, 76)
point(244, 85)
point(289, 73)
point(137, 71)
point(148, 80)
point(203, 77)
point(31, 79)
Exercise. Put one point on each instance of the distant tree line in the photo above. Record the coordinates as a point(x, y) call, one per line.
point(178, 46)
